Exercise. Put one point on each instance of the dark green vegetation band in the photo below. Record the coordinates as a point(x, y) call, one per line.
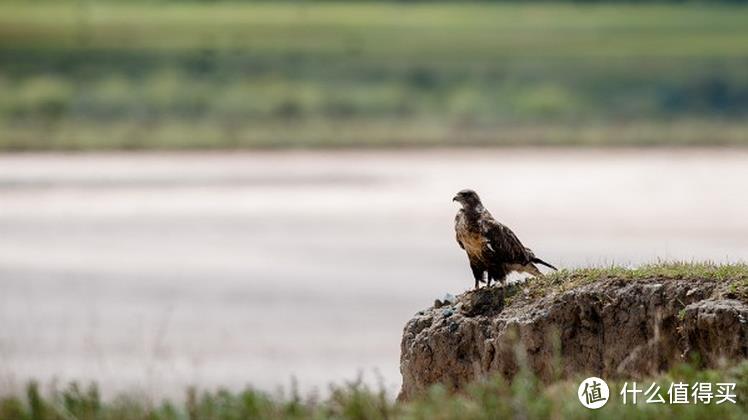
point(171, 75)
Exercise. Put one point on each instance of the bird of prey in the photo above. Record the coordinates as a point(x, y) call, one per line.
point(491, 247)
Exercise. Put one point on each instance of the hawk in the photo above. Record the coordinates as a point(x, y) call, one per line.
point(490, 246)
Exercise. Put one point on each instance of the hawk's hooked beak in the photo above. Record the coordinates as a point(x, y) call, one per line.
point(454, 198)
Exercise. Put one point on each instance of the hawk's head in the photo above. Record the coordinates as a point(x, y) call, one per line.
point(468, 198)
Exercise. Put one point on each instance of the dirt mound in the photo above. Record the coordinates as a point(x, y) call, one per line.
point(609, 327)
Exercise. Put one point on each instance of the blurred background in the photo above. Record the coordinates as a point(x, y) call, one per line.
point(231, 193)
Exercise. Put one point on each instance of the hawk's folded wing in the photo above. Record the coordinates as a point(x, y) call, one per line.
point(504, 243)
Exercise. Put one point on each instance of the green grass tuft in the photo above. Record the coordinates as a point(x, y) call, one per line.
point(735, 275)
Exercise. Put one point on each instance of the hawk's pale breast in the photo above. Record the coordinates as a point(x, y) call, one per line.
point(473, 242)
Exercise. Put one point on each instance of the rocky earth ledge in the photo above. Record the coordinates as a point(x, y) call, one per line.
point(609, 326)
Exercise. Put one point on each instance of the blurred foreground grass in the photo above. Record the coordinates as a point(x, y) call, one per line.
point(90, 74)
point(524, 398)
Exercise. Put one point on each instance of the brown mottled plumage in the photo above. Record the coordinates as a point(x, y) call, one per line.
point(491, 247)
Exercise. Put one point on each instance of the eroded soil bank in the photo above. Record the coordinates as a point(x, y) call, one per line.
point(610, 326)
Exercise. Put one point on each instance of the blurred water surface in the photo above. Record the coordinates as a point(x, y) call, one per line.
point(157, 271)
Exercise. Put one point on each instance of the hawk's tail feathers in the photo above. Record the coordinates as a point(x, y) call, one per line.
point(539, 261)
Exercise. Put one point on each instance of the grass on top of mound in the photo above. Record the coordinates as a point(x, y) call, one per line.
point(525, 397)
point(734, 274)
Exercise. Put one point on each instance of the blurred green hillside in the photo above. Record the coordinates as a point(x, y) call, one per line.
point(90, 75)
